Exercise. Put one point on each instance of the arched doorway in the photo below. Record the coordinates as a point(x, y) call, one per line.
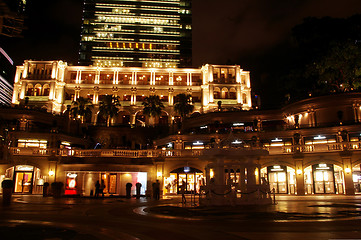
point(324, 178)
point(280, 178)
point(191, 177)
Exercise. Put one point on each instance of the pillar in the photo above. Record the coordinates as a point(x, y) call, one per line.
point(219, 172)
point(300, 183)
point(170, 96)
point(95, 95)
point(347, 171)
point(26, 69)
point(211, 93)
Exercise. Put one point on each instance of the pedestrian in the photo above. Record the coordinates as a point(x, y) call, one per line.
point(183, 189)
point(102, 187)
point(97, 189)
point(157, 190)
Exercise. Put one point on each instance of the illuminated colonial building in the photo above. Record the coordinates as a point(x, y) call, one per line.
point(135, 33)
point(53, 85)
point(309, 147)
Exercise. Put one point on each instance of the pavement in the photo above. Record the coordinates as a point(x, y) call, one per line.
point(292, 217)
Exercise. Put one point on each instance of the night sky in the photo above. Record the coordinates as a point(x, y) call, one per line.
point(245, 32)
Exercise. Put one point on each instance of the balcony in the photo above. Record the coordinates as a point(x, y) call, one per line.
point(273, 150)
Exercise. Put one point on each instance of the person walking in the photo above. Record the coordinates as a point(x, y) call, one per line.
point(183, 189)
point(97, 189)
point(102, 187)
point(157, 190)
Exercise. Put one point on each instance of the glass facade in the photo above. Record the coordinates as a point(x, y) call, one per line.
point(136, 33)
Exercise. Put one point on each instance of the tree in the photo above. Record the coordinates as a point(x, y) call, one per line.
point(152, 107)
point(340, 69)
point(109, 107)
point(183, 105)
point(81, 108)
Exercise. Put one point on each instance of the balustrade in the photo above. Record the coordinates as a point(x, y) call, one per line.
point(273, 150)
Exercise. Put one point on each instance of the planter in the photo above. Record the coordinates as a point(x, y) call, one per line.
point(7, 186)
point(46, 189)
point(57, 189)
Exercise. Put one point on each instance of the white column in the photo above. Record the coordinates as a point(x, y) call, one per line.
point(171, 80)
point(170, 96)
point(52, 91)
point(239, 93)
point(54, 70)
point(26, 69)
point(23, 89)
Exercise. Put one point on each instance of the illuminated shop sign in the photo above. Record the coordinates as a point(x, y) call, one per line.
point(319, 137)
point(277, 168)
point(237, 142)
point(71, 175)
point(24, 168)
point(322, 166)
point(238, 124)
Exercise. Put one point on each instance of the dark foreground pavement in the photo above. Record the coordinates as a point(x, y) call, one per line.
point(306, 217)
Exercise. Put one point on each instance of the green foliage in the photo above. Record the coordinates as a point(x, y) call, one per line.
point(325, 59)
point(81, 108)
point(153, 106)
point(339, 70)
point(109, 107)
point(183, 104)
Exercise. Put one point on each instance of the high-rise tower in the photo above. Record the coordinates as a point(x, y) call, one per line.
point(139, 33)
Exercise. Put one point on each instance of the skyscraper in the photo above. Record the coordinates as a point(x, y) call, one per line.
point(136, 33)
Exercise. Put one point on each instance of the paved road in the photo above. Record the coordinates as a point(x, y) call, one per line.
point(309, 217)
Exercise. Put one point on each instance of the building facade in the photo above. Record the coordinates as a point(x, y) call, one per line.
point(54, 85)
point(308, 147)
point(135, 33)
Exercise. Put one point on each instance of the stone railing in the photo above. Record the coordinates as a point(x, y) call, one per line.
point(273, 150)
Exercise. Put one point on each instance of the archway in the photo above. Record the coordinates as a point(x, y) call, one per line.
point(191, 177)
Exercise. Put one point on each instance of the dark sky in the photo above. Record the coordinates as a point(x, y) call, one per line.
point(233, 31)
point(247, 28)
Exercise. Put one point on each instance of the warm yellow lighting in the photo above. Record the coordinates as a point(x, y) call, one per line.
point(347, 170)
point(211, 173)
point(51, 173)
point(159, 174)
point(299, 171)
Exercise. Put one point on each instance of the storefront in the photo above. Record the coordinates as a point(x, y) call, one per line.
point(280, 178)
point(324, 179)
point(83, 182)
point(27, 179)
point(356, 177)
point(191, 177)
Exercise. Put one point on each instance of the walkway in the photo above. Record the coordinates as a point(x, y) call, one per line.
point(306, 217)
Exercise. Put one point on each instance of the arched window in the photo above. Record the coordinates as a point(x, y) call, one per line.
point(37, 90)
point(232, 93)
point(224, 93)
point(29, 90)
point(217, 93)
point(244, 98)
point(46, 90)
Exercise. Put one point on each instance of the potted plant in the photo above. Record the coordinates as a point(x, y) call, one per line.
point(57, 189)
point(46, 189)
point(7, 186)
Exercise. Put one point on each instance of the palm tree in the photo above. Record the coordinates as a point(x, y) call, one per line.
point(109, 107)
point(152, 107)
point(81, 108)
point(183, 105)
